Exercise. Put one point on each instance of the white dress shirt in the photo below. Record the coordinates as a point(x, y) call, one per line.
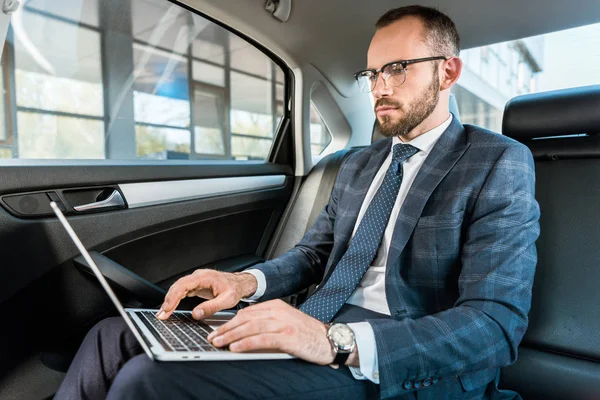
point(370, 292)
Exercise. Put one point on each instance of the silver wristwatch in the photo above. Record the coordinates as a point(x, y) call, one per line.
point(342, 340)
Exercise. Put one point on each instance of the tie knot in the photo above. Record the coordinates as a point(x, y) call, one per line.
point(403, 152)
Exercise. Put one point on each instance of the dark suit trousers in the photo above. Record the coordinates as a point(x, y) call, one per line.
point(111, 364)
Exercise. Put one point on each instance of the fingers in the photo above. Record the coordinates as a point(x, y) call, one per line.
point(176, 292)
point(243, 317)
point(261, 342)
point(250, 328)
point(198, 280)
point(273, 309)
point(207, 284)
point(223, 301)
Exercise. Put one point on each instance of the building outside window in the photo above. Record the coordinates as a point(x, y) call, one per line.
point(133, 79)
point(494, 74)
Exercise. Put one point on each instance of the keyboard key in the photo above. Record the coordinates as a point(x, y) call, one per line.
point(181, 332)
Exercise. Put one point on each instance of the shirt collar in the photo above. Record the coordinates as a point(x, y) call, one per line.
point(427, 140)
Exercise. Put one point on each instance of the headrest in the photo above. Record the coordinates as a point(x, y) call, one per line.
point(556, 113)
point(453, 106)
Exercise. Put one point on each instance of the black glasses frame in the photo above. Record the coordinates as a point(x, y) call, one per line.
point(404, 63)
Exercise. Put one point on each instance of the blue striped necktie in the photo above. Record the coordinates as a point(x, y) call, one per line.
point(330, 297)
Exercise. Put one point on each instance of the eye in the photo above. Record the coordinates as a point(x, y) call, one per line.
point(394, 69)
point(368, 75)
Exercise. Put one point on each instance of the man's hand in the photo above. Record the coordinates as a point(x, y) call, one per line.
point(224, 290)
point(276, 326)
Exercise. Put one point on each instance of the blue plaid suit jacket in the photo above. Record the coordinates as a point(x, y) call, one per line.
point(461, 262)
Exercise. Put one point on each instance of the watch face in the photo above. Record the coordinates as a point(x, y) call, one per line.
point(342, 335)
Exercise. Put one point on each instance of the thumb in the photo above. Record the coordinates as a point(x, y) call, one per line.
point(223, 301)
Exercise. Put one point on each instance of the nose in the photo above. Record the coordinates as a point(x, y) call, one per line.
point(381, 89)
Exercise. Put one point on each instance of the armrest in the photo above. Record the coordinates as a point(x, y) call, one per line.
point(236, 264)
point(130, 282)
point(233, 264)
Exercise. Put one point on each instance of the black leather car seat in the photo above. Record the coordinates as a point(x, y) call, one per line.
point(559, 357)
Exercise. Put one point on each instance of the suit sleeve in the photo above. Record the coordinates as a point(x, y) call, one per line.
point(304, 264)
point(489, 319)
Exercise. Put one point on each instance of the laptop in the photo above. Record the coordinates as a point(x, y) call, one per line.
point(180, 338)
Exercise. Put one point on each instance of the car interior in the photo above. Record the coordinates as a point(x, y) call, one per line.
point(150, 215)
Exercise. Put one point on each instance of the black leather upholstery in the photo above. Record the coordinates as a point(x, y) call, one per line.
point(565, 148)
point(543, 375)
point(556, 113)
point(559, 357)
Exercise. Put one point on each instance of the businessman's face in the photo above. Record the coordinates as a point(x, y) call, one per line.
point(400, 109)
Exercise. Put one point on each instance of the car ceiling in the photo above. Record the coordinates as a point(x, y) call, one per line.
point(333, 35)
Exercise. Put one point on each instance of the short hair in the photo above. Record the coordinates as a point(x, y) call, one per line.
point(440, 32)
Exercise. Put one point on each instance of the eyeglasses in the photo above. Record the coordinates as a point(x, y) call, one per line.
point(393, 74)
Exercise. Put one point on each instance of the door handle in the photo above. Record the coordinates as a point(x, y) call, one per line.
point(114, 200)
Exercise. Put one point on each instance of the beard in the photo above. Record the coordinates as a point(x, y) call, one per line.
point(415, 113)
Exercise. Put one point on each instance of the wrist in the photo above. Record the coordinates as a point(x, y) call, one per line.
point(330, 347)
point(247, 284)
point(343, 344)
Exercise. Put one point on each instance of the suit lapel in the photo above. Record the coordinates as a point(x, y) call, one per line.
point(444, 155)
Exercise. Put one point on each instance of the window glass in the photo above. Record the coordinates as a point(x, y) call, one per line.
point(247, 107)
point(85, 11)
point(251, 116)
point(494, 74)
point(161, 110)
point(320, 136)
point(210, 43)
point(246, 58)
point(162, 143)
point(4, 134)
point(206, 49)
point(279, 77)
point(133, 79)
point(209, 117)
point(250, 148)
point(160, 90)
point(279, 104)
point(52, 136)
point(161, 24)
point(55, 67)
point(53, 93)
point(208, 73)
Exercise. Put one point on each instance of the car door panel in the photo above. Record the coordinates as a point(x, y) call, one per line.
point(213, 228)
point(164, 160)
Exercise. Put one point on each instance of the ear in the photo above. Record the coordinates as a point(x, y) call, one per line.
point(450, 72)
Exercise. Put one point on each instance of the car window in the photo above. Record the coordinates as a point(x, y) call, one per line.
point(494, 74)
point(320, 136)
point(146, 79)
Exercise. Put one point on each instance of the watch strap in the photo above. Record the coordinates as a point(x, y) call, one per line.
point(341, 358)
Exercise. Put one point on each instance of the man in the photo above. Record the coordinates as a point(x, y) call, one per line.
point(426, 249)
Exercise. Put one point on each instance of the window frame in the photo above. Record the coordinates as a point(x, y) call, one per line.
point(225, 123)
point(189, 55)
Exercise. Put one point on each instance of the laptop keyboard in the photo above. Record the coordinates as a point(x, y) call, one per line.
point(178, 333)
